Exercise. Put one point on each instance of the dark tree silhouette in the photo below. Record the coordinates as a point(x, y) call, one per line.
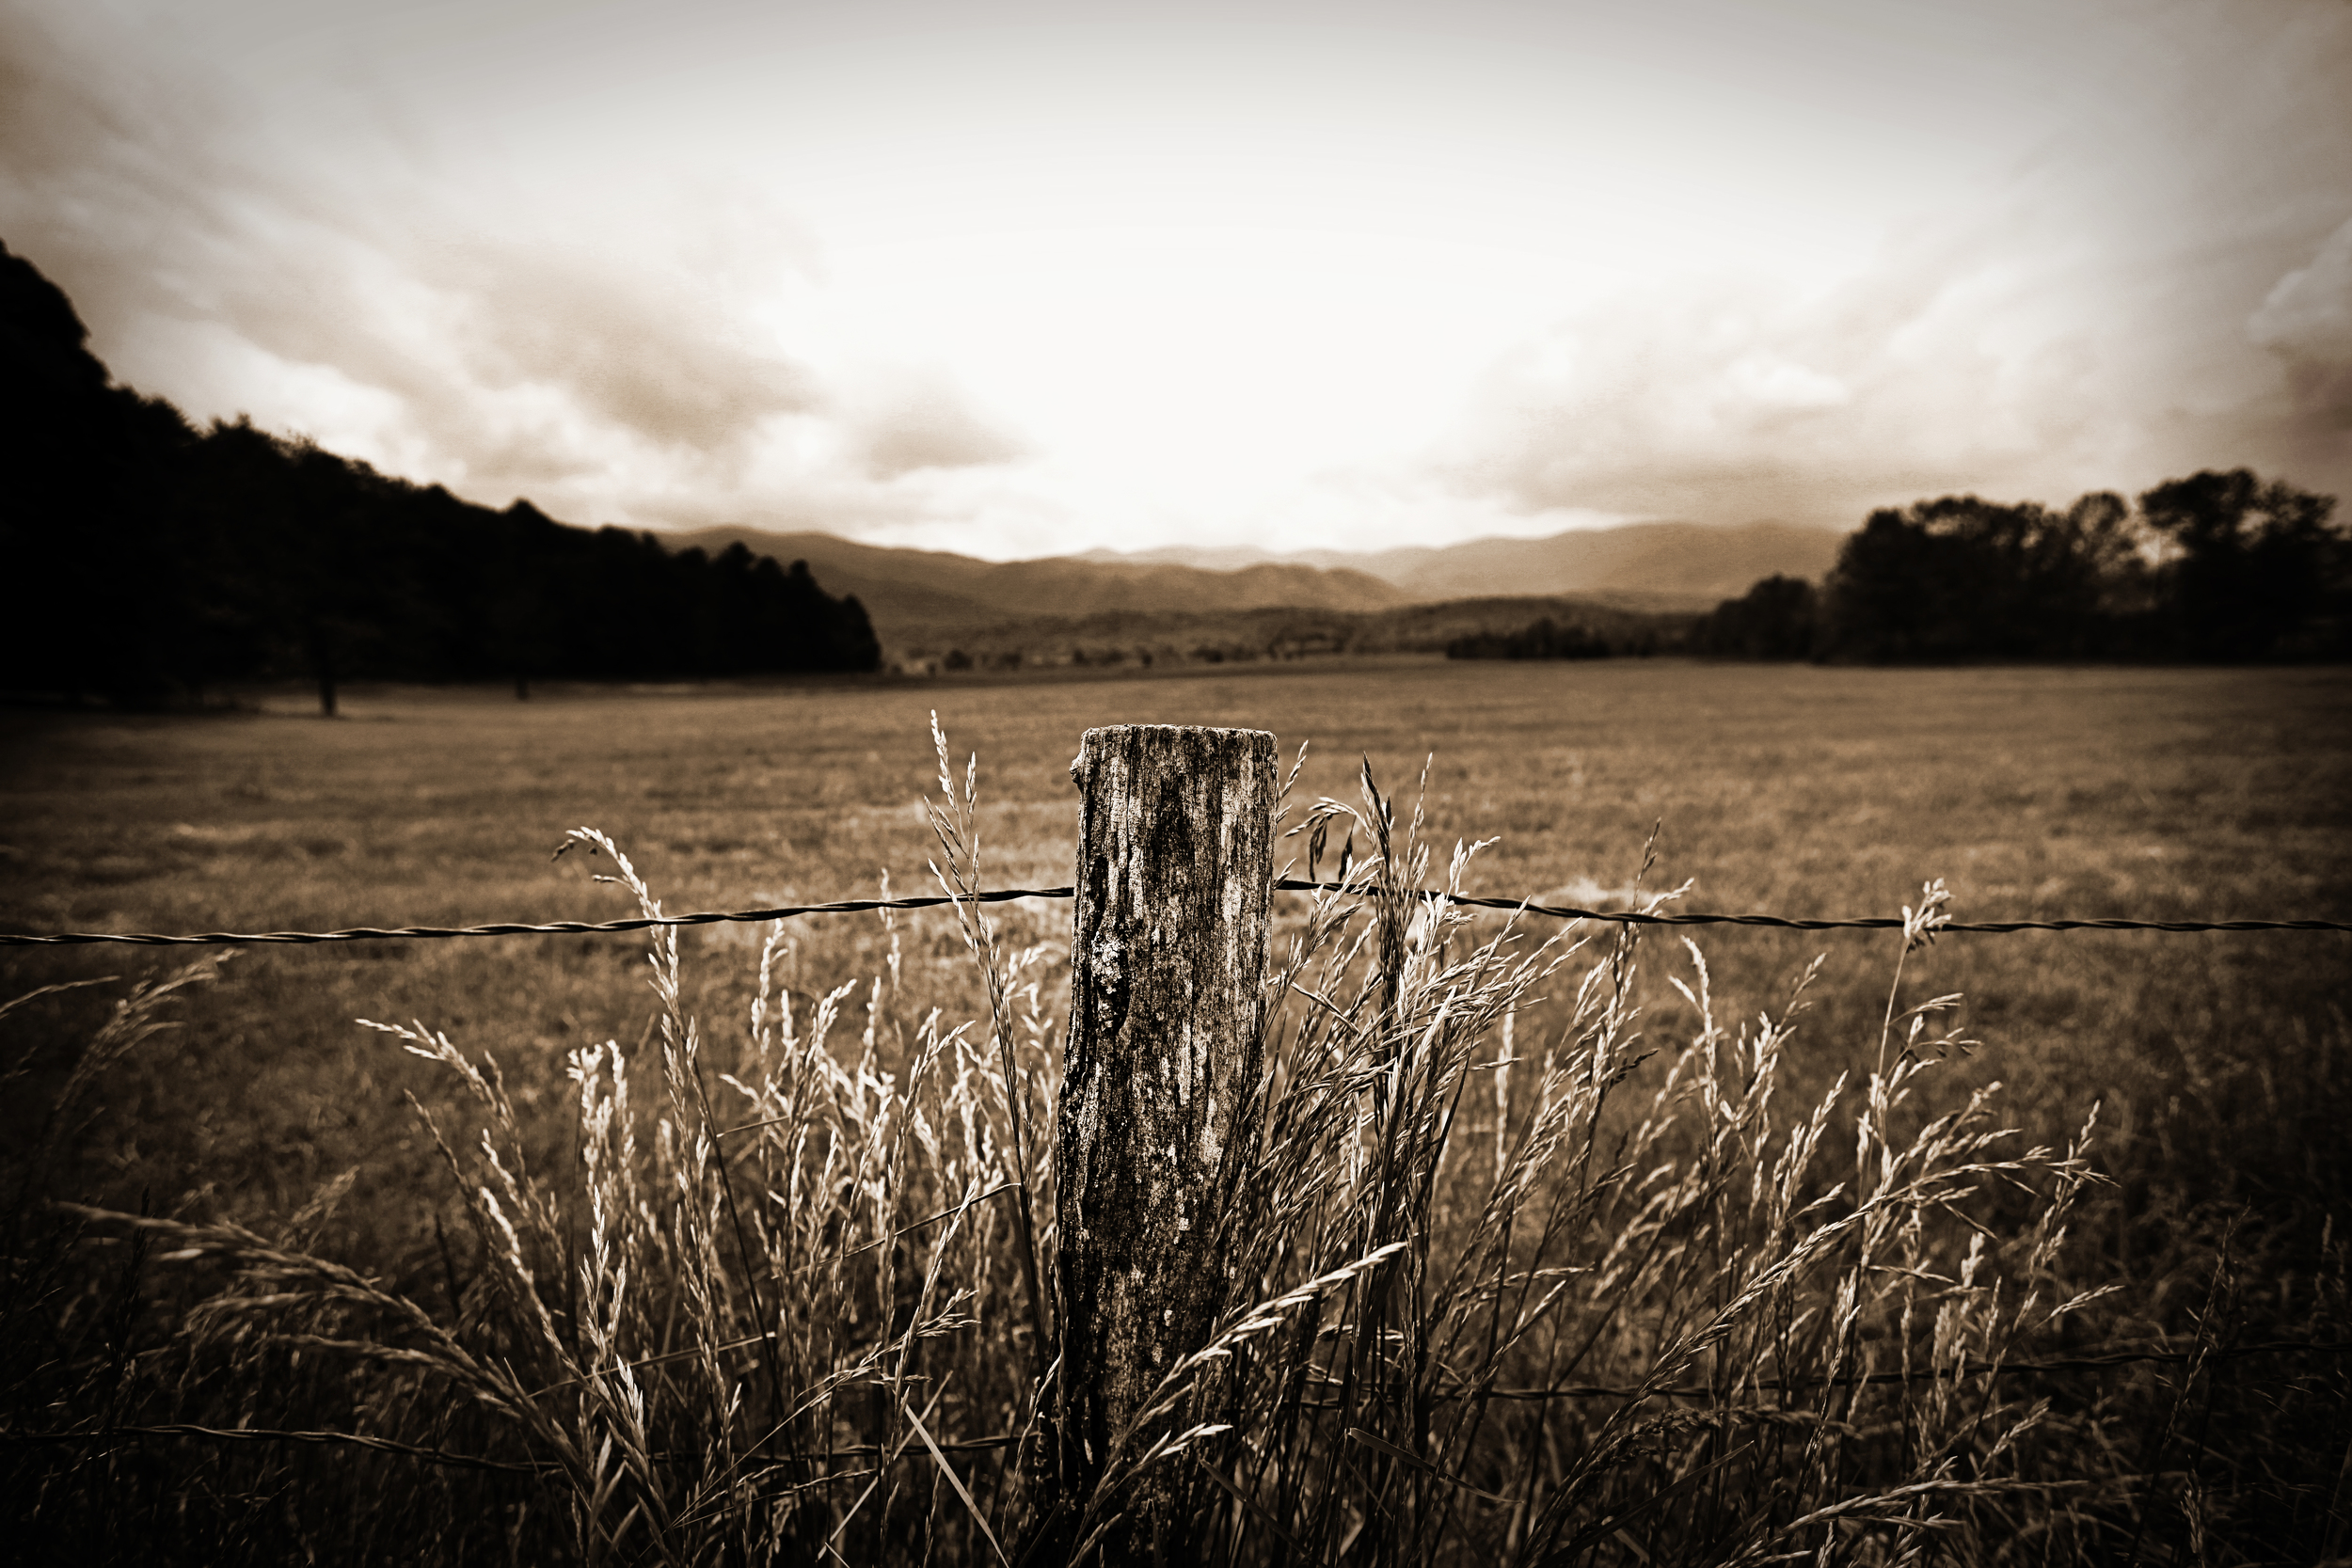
point(2216, 566)
point(146, 561)
point(1893, 595)
point(2260, 573)
point(93, 604)
point(1963, 578)
point(1777, 619)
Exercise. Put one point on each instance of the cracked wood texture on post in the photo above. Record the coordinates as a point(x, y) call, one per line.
point(1169, 956)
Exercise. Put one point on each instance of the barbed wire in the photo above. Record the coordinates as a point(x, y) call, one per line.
point(1003, 896)
point(509, 929)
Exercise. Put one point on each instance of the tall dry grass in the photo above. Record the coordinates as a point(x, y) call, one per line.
point(781, 1293)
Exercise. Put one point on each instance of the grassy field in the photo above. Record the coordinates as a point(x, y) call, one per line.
point(2215, 1059)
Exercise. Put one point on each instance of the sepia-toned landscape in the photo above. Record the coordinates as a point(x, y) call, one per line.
point(1273, 783)
point(2204, 1066)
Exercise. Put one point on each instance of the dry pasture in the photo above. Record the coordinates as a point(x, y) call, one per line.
point(2160, 794)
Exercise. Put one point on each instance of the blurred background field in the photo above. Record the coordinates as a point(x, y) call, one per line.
point(2154, 794)
point(2216, 1059)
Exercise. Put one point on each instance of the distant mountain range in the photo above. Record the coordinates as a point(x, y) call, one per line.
point(1688, 561)
point(925, 595)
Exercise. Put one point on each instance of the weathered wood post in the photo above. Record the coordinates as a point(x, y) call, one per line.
point(1175, 872)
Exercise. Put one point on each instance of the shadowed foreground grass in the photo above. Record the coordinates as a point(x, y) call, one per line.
point(1564, 1254)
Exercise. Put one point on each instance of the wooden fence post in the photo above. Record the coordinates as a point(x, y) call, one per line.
point(1168, 965)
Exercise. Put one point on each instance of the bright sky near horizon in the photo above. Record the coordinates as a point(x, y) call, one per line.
point(1020, 278)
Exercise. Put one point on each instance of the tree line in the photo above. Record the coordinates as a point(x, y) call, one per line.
point(1545, 639)
point(2219, 567)
point(150, 562)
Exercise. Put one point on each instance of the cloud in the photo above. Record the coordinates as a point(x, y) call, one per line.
point(1730, 402)
point(642, 353)
point(2306, 320)
point(923, 423)
point(557, 260)
point(2163, 283)
point(105, 172)
point(640, 371)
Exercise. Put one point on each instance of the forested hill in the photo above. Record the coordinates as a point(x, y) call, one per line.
point(146, 561)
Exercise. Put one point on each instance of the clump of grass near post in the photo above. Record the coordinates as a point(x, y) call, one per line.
point(1493, 1294)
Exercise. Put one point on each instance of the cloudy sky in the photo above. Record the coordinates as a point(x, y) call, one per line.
point(1015, 278)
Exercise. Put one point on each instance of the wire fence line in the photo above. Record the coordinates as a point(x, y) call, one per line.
point(2094, 1361)
point(1003, 896)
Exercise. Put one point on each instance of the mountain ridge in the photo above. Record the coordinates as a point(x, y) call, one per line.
point(1698, 560)
point(904, 588)
point(1661, 566)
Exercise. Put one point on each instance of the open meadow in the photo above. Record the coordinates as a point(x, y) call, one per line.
point(2213, 1189)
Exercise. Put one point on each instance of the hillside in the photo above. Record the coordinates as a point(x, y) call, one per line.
point(921, 593)
point(925, 602)
point(1668, 565)
point(158, 563)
